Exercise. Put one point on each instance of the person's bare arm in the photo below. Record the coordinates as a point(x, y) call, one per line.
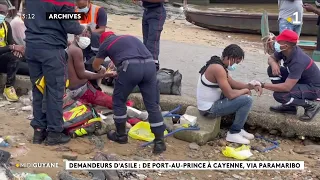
point(78, 64)
point(311, 8)
point(97, 63)
point(239, 85)
point(272, 60)
point(222, 79)
point(282, 87)
point(100, 30)
point(101, 21)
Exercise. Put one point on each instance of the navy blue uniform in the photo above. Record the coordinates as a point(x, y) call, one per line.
point(153, 20)
point(298, 66)
point(135, 67)
point(93, 48)
point(45, 54)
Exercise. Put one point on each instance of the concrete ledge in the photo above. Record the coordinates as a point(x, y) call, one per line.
point(22, 85)
point(167, 102)
point(288, 125)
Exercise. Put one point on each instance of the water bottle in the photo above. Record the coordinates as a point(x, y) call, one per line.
point(3, 143)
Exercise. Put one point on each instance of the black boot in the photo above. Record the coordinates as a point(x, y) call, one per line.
point(55, 138)
point(284, 109)
point(39, 136)
point(310, 110)
point(159, 144)
point(120, 136)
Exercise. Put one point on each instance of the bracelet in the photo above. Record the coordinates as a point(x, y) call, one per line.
point(262, 84)
point(13, 47)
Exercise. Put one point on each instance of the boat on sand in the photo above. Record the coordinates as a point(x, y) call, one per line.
point(242, 22)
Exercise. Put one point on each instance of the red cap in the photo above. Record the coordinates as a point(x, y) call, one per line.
point(288, 35)
point(105, 35)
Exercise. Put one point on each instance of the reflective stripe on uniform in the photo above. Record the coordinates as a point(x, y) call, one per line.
point(120, 117)
point(275, 78)
point(291, 100)
point(94, 49)
point(156, 124)
point(93, 13)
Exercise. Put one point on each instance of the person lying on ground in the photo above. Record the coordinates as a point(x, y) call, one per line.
point(297, 82)
point(18, 33)
point(95, 16)
point(135, 67)
point(10, 53)
point(219, 95)
point(80, 88)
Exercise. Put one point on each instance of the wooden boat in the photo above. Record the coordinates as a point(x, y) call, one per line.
point(308, 45)
point(243, 22)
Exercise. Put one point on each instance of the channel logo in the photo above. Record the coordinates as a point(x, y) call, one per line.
point(37, 165)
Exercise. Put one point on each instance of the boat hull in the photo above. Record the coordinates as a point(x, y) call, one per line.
point(244, 23)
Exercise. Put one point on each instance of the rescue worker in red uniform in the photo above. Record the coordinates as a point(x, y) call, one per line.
point(135, 67)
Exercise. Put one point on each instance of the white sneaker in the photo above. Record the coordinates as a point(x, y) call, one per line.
point(237, 138)
point(246, 134)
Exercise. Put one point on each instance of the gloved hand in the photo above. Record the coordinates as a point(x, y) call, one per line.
point(254, 83)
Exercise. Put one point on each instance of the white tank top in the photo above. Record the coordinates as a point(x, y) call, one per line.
point(206, 96)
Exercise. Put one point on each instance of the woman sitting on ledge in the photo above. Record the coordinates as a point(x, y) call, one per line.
point(219, 95)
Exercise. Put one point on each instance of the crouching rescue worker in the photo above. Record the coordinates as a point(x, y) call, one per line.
point(10, 54)
point(297, 83)
point(46, 42)
point(219, 95)
point(135, 67)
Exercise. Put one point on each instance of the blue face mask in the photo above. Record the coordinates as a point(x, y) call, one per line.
point(2, 18)
point(233, 67)
point(84, 10)
point(277, 47)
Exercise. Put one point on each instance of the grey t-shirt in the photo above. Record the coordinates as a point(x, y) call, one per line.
point(291, 9)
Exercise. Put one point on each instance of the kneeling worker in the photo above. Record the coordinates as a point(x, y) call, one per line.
point(135, 66)
point(298, 82)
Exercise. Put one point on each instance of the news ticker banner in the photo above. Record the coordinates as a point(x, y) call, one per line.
point(184, 165)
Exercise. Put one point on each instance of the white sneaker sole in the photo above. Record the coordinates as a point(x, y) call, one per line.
point(244, 142)
point(8, 99)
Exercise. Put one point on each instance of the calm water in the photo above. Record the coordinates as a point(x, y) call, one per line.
point(248, 8)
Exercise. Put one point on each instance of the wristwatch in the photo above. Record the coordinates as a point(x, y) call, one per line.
point(262, 84)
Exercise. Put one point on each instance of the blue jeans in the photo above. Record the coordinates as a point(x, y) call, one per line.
point(240, 105)
point(284, 24)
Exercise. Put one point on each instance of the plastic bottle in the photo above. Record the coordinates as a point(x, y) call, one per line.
point(11, 140)
point(3, 143)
